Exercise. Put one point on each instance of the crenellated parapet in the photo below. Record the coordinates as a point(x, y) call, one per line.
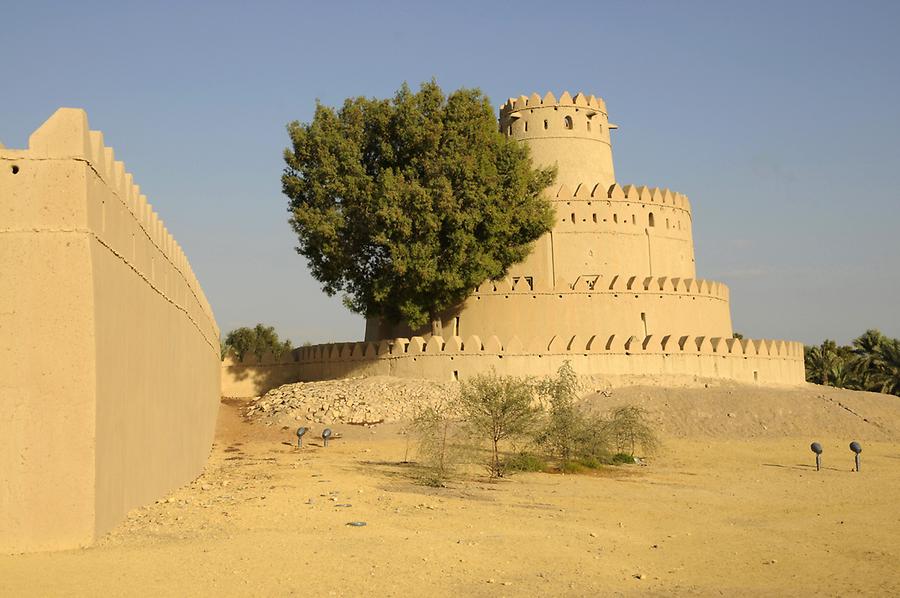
point(122, 219)
point(580, 100)
point(620, 358)
point(617, 283)
point(642, 194)
point(589, 343)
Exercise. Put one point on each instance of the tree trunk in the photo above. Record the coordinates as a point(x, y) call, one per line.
point(495, 466)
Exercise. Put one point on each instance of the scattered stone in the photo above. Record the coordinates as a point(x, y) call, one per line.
point(358, 401)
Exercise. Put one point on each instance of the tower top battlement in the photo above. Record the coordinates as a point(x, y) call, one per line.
point(570, 132)
point(549, 100)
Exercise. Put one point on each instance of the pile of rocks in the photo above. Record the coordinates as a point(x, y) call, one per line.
point(359, 401)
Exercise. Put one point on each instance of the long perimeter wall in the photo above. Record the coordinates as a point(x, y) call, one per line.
point(109, 381)
point(617, 359)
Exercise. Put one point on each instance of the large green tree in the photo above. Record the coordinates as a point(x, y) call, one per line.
point(258, 340)
point(406, 204)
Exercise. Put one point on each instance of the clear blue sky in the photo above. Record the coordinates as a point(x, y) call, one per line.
point(780, 120)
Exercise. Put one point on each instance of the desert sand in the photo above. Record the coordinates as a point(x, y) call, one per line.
point(731, 505)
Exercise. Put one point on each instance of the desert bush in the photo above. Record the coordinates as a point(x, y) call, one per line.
point(525, 461)
point(627, 428)
point(440, 441)
point(622, 458)
point(569, 432)
point(496, 409)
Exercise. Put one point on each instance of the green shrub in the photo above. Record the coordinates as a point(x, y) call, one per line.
point(570, 433)
point(627, 428)
point(497, 409)
point(622, 458)
point(525, 461)
point(571, 467)
point(440, 442)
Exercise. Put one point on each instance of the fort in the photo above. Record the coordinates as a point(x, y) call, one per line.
point(112, 372)
point(110, 376)
point(612, 288)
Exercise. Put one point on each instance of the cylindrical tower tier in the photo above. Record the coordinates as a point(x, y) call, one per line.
point(572, 133)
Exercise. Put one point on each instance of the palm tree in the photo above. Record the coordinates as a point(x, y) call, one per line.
point(821, 361)
point(885, 376)
point(865, 351)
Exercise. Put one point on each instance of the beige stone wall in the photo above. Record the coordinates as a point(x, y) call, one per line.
point(111, 370)
point(252, 377)
point(617, 360)
point(621, 305)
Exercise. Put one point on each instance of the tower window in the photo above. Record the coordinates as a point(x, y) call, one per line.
point(595, 218)
point(633, 219)
point(573, 217)
point(652, 221)
point(568, 122)
point(588, 125)
point(526, 126)
point(616, 218)
point(546, 124)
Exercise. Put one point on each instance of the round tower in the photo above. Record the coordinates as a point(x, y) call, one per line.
point(572, 133)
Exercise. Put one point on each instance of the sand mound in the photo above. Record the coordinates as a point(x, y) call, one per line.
point(716, 410)
point(744, 411)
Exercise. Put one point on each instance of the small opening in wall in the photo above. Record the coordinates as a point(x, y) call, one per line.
point(755, 375)
point(595, 218)
point(573, 217)
point(568, 122)
point(526, 126)
point(546, 124)
point(456, 326)
point(616, 218)
point(667, 223)
point(633, 219)
point(15, 169)
point(588, 125)
point(651, 220)
point(456, 375)
point(644, 322)
point(529, 280)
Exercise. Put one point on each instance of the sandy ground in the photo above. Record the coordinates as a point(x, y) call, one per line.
point(732, 505)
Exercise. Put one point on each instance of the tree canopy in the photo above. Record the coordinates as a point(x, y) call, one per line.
point(871, 362)
point(258, 340)
point(406, 204)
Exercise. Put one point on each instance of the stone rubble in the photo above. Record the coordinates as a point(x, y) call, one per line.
point(360, 401)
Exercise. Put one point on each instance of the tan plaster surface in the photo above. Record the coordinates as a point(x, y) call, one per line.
point(110, 356)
